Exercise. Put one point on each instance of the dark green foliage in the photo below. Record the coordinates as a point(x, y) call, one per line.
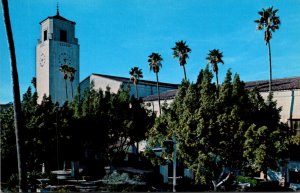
point(101, 124)
point(212, 131)
point(266, 139)
point(181, 51)
point(268, 21)
point(8, 147)
point(244, 179)
point(112, 123)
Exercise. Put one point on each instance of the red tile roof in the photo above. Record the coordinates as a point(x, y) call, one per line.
point(261, 85)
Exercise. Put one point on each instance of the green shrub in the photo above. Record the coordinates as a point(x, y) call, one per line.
point(11, 185)
point(245, 179)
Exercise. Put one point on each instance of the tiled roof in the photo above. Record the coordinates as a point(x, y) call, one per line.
point(277, 84)
point(57, 17)
point(261, 85)
point(170, 94)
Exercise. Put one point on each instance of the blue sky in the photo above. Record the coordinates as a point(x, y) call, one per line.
point(115, 35)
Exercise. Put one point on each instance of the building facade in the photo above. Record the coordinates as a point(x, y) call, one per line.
point(286, 92)
point(56, 46)
point(145, 87)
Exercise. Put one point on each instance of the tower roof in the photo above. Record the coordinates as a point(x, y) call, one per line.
point(57, 16)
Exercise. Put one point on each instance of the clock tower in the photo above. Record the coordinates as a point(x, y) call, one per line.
point(57, 54)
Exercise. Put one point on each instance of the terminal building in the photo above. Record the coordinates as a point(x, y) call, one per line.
point(58, 46)
point(286, 92)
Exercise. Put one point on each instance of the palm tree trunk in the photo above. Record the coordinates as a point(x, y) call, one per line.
point(184, 72)
point(217, 78)
point(137, 148)
point(17, 101)
point(270, 62)
point(136, 91)
point(72, 88)
point(158, 93)
point(66, 89)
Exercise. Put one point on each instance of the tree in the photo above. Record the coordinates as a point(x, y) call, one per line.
point(210, 131)
point(33, 82)
point(135, 75)
point(266, 140)
point(8, 144)
point(115, 122)
point(270, 22)
point(65, 70)
point(17, 101)
point(41, 122)
point(47, 128)
point(181, 51)
point(214, 58)
point(71, 72)
point(154, 61)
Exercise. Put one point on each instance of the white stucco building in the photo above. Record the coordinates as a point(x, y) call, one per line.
point(286, 92)
point(145, 87)
point(56, 46)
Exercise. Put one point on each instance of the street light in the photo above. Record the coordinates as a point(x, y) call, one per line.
point(174, 158)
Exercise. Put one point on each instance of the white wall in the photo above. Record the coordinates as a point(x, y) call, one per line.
point(102, 82)
point(57, 82)
point(50, 80)
point(42, 72)
point(153, 105)
point(284, 100)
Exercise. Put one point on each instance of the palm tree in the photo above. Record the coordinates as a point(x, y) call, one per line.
point(214, 58)
point(65, 69)
point(17, 102)
point(270, 22)
point(155, 64)
point(71, 71)
point(181, 51)
point(135, 75)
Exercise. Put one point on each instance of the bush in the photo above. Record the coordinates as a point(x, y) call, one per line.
point(11, 185)
point(124, 182)
point(244, 179)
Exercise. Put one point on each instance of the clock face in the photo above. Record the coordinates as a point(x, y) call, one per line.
point(64, 59)
point(42, 61)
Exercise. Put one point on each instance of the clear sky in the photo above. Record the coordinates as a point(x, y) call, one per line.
point(115, 35)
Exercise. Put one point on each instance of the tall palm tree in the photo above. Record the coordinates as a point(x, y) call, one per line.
point(270, 22)
point(214, 58)
point(17, 102)
point(135, 75)
point(181, 51)
point(71, 71)
point(155, 64)
point(65, 69)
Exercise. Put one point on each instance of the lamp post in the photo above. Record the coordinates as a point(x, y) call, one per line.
point(174, 163)
point(174, 160)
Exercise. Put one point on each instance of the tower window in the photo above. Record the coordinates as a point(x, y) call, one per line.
point(45, 35)
point(63, 35)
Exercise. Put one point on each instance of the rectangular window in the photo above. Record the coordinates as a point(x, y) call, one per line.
point(45, 35)
point(295, 126)
point(63, 35)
